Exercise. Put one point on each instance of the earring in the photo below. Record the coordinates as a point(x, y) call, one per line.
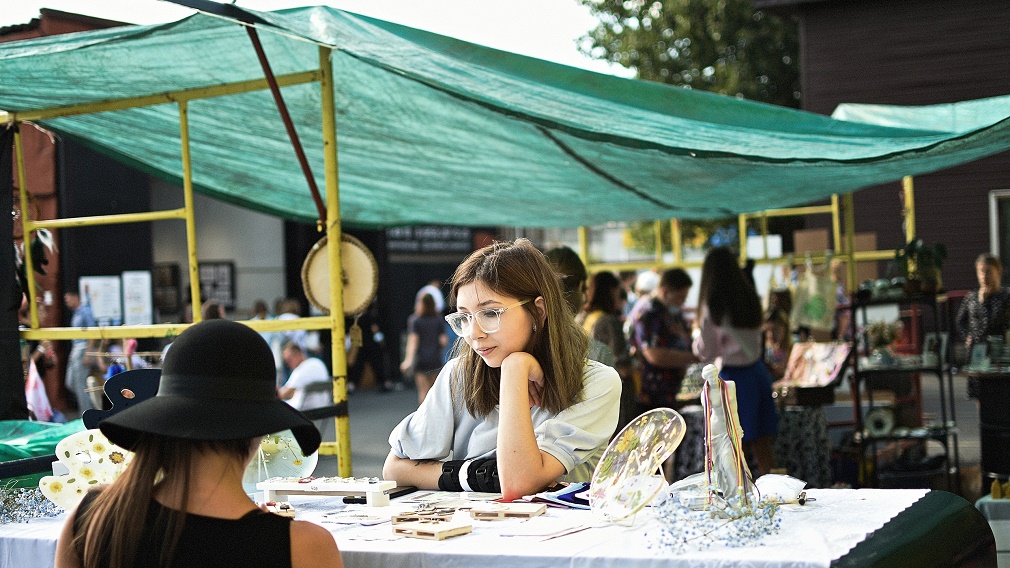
point(534, 328)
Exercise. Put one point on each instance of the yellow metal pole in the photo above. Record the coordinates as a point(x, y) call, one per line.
point(26, 227)
point(677, 241)
point(908, 188)
point(159, 99)
point(850, 239)
point(657, 228)
point(187, 191)
point(742, 224)
point(836, 224)
point(764, 235)
point(584, 245)
point(110, 219)
point(164, 330)
point(343, 424)
point(794, 211)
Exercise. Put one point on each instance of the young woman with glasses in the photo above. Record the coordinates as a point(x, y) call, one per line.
point(519, 406)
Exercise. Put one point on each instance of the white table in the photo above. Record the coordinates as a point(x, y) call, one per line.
point(813, 535)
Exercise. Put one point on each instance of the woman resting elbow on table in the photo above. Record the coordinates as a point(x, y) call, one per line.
point(180, 502)
point(520, 406)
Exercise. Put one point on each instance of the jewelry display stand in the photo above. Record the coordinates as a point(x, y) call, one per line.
point(376, 492)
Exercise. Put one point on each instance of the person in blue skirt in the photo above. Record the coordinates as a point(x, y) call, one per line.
point(729, 334)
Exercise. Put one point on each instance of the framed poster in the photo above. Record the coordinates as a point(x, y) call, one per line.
point(103, 294)
point(217, 282)
point(138, 305)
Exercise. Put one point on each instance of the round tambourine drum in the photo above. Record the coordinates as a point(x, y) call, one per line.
point(360, 275)
point(625, 478)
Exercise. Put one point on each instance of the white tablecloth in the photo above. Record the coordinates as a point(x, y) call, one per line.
point(812, 535)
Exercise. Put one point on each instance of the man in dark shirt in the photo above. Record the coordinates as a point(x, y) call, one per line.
point(662, 341)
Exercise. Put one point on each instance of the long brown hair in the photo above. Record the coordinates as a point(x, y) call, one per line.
point(518, 270)
point(112, 525)
point(727, 292)
point(425, 306)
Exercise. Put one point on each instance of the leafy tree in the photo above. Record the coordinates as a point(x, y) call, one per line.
point(723, 46)
point(697, 233)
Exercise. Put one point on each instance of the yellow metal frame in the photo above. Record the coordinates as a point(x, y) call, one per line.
point(334, 322)
point(843, 228)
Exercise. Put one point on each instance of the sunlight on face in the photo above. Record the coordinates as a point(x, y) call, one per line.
point(516, 324)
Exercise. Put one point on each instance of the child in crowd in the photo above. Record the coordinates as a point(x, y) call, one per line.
point(520, 406)
point(181, 501)
point(730, 329)
point(778, 342)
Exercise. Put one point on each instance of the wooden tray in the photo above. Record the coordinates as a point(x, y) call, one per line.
point(492, 511)
point(421, 516)
point(432, 530)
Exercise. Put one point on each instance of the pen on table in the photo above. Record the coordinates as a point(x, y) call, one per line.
point(355, 500)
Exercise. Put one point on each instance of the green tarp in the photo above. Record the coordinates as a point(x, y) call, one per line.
point(21, 439)
point(435, 130)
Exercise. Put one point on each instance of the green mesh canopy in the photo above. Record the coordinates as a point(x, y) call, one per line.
point(432, 130)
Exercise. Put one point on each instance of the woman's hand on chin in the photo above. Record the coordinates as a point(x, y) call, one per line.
point(523, 366)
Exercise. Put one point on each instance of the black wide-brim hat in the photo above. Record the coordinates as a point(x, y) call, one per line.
point(217, 383)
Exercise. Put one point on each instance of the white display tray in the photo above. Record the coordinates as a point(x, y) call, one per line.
point(375, 491)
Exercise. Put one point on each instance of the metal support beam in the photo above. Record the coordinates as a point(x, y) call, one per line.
point(164, 330)
point(742, 229)
point(677, 241)
point(908, 192)
point(26, 228)
point(657, 229)
point(187, 192)
point(343, 424)
point(584, 245)
point(163, 98)
point(110, 219)
point(836, 224)
point(850, 239)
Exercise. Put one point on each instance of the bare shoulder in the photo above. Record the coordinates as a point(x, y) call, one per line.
point(313, 546)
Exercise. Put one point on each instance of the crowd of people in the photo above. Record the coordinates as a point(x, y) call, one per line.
point(550, 362)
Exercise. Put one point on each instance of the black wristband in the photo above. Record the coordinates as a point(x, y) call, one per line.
point(449, 480)
point(482, 475)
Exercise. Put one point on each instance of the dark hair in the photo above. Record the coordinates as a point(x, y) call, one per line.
point(727, 292)
point(601, 292)
point(989, 259)
point(211, 310)
point(518, 270)
point(571, 272)
point(675, 279)
point(427, 302)
point(111, 526)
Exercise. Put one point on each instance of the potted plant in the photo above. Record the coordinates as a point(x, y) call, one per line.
point(921, 264)
point(880, 335)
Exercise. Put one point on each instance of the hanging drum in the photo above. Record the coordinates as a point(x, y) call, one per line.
point(360, 275)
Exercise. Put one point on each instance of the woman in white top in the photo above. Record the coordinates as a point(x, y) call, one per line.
point(520, 406)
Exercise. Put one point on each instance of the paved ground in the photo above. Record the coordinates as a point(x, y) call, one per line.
point(374, 414)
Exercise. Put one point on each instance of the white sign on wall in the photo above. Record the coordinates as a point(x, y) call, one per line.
point(102, 293)
point(138, 303)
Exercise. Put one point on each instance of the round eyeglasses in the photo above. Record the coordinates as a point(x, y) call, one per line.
point(489, 319)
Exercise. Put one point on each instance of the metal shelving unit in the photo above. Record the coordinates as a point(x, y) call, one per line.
point(902, 439)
